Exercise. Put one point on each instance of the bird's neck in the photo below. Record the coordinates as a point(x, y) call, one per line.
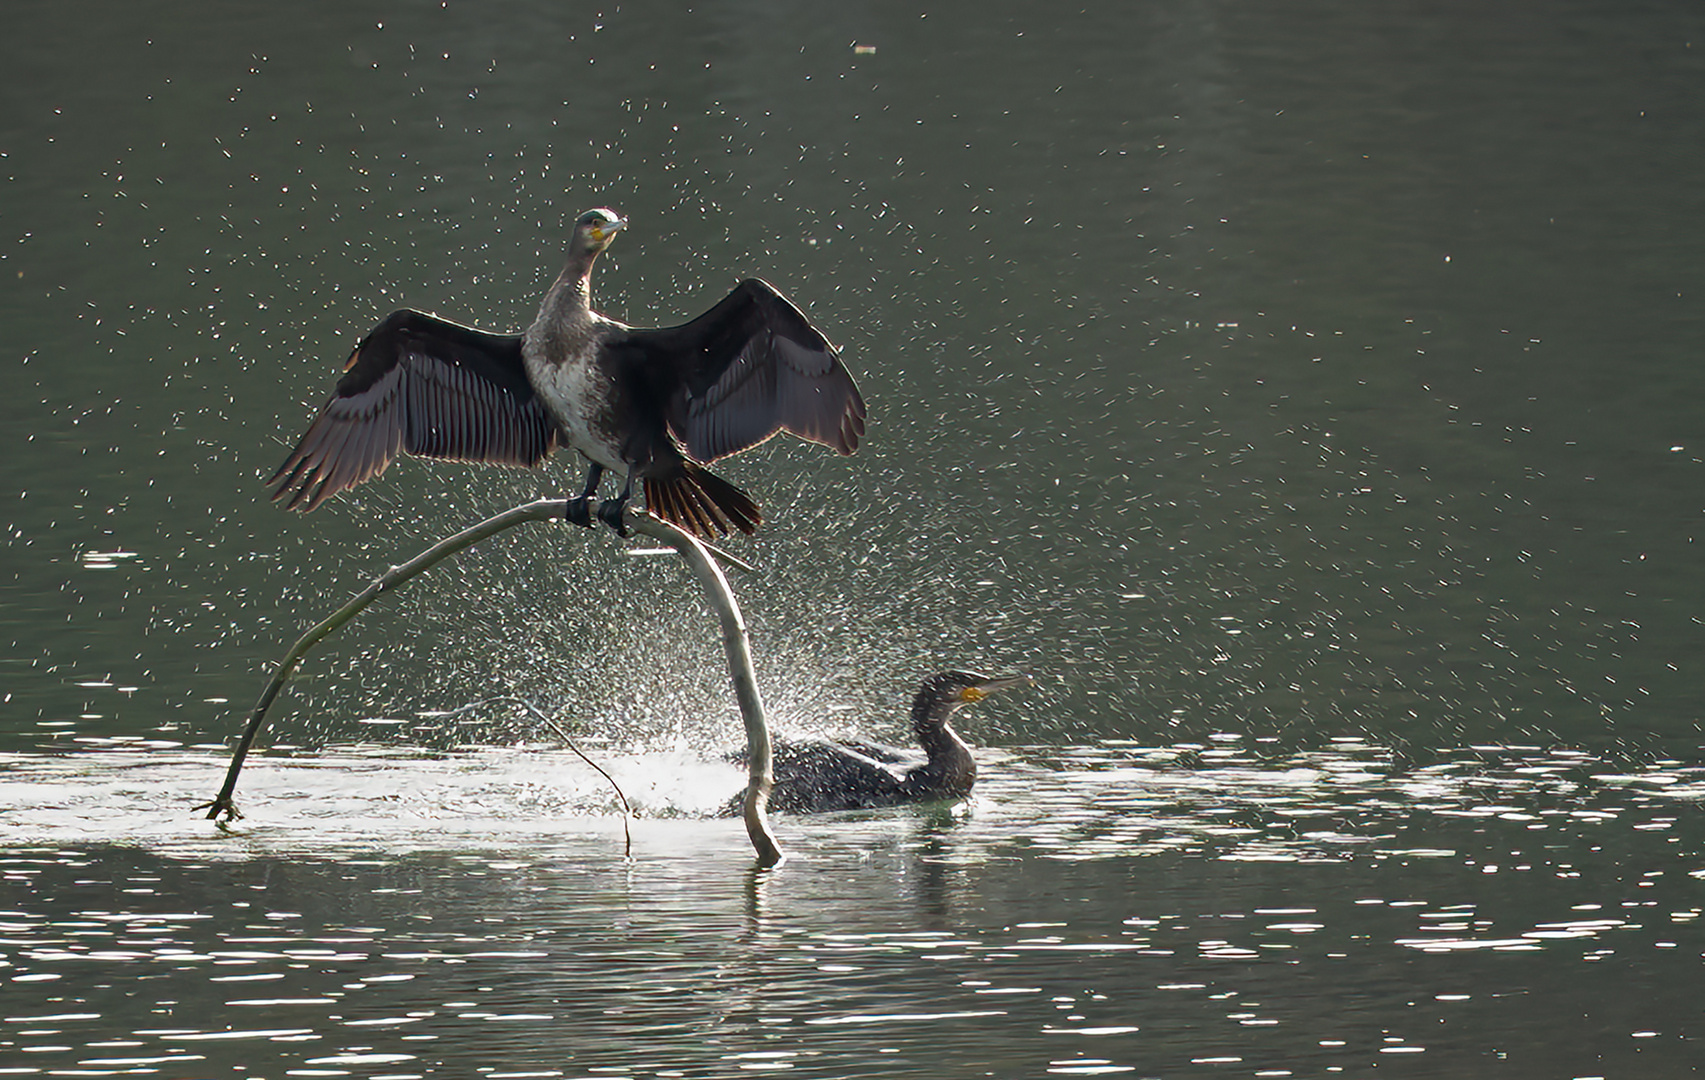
point(951, 768)
point(570, 296)
point(565, 321)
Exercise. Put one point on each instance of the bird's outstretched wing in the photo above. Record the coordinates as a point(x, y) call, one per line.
point(421, 385)
point(749, 367)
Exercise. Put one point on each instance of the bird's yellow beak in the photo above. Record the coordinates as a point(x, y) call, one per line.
point(989, 686)
point(603, 234)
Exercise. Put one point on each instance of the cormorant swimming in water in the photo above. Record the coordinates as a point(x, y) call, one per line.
point(817, 777)
point(655, 405)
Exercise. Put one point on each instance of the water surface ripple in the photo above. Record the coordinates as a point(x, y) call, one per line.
point(1192, 909)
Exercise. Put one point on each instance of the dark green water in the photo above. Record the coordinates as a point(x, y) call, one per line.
point(1308, 395)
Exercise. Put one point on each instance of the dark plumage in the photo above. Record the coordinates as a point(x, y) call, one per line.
point(817, 777)
point(655, 405)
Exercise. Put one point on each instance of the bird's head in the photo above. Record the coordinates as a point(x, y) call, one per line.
point(595, 229)
point(944, 692)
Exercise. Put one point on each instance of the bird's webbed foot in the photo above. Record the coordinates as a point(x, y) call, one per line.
point(610, 513)
point(610, 510)
point(578, 510)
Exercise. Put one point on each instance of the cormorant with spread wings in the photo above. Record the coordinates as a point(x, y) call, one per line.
point(655, 405)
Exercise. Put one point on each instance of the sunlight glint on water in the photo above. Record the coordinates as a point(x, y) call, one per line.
point(1187, 885)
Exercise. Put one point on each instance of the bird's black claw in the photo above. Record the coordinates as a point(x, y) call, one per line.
point(610, 513)
point(578, 511)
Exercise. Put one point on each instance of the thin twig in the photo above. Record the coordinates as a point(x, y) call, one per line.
point(727, 558)
point(627, 811)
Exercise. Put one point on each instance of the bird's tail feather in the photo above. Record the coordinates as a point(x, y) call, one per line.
point(702, 503)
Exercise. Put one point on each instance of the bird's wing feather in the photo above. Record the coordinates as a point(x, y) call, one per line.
point(826, 761)
point(421, 385)
point(888, 755)
point(749, 367)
